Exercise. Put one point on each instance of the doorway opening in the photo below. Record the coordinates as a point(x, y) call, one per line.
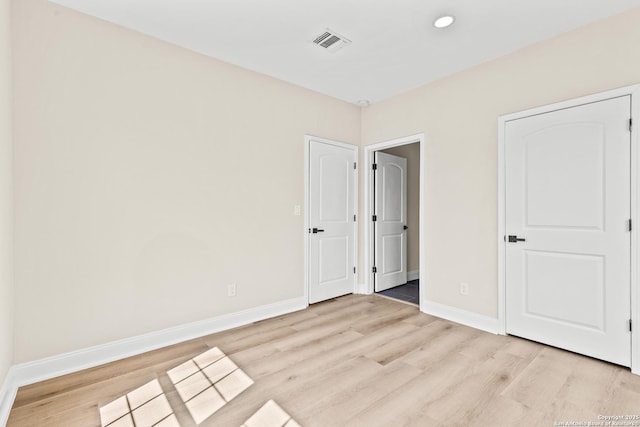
point(394, 237)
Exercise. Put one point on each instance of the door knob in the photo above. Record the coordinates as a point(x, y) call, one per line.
point(404, 227)
point(316, 230)
point(515, 239)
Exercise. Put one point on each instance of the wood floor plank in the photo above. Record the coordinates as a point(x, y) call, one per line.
point(539, 384)
point(326, 349)
point(483, 346)
point(587, 391)
point(384, 318)
point(626, 380)
point(57, 386)
point(253, 340)
point(390, 409)
point(503, 411)
point(447, 339)
point(621, 399)
point(344, 314)
point(419, 319)
point(523, 348)
point(399, 346)
point(99, 393)
point(565, 412)
point(313, 394)
point(359, 361)
point(308, 338)
point(349, 401)
point(477, 387)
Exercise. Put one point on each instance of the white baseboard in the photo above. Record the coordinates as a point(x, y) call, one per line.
point(7, 396)
point(361, 289)
point(464, 317)
point(413, 275)
point(50, 367)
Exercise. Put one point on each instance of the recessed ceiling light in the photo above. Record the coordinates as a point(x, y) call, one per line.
point(444, 21)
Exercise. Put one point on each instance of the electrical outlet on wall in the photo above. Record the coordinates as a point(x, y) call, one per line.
point(464, 288)
point(231, 290)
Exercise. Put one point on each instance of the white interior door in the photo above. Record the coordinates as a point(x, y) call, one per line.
point(331, 220)
point(568, 199)
point(390, 231)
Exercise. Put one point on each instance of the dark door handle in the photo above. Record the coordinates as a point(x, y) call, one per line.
point(317, 230)
point(404, 227)
point(515, 239)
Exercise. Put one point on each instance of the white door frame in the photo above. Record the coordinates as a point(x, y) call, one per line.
point(383, 160)
point(634, 91)
point(307, 145)
point(369, 208)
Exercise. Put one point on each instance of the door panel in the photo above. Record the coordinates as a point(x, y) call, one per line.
point(555, 281)
point(391, 211)
point(564, 190)
point(568, 194)
point(392, 183)
point(333, 260)
point(334, 170)
point(331, 211)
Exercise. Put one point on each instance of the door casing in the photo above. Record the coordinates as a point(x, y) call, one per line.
point(634, 92)
point(367, 287)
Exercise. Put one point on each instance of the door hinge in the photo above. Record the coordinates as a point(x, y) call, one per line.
point(374, 218)
point(375, 269)
point(630, 125)
point(630, 325)
point(354, 218)
point(355, 165)
point(630, 227)
point(374, 166)
point(354, 270)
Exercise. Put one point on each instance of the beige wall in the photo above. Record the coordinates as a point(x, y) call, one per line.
point(411, 152)
point(148, 178)
point(6, 198)
point(459, 117)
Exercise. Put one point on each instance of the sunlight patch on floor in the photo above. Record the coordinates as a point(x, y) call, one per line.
point(205, 384)
point(143, 407)
point(208, 382)
point(271, 415)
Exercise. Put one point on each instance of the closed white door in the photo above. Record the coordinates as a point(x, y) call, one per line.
point(390, 225)
point(331, 220)
point(567, 223)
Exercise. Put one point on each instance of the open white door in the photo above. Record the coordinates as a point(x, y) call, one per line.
point(331, 220)
point(568, 250)
point(390, 225)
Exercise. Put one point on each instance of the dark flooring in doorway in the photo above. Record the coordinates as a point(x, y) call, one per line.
point(409, 292)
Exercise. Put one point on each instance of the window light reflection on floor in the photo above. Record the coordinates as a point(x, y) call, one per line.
point(271, 415)
point(144, 406)
point(208, 382)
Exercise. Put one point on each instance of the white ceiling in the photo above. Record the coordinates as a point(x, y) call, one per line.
point(394, 45)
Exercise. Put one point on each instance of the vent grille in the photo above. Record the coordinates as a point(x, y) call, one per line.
point(331, 41)
point(322, 37)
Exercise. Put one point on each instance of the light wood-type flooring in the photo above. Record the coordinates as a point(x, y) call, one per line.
point(361, 361)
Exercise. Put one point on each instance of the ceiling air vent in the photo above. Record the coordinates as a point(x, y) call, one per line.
point(331, 40)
